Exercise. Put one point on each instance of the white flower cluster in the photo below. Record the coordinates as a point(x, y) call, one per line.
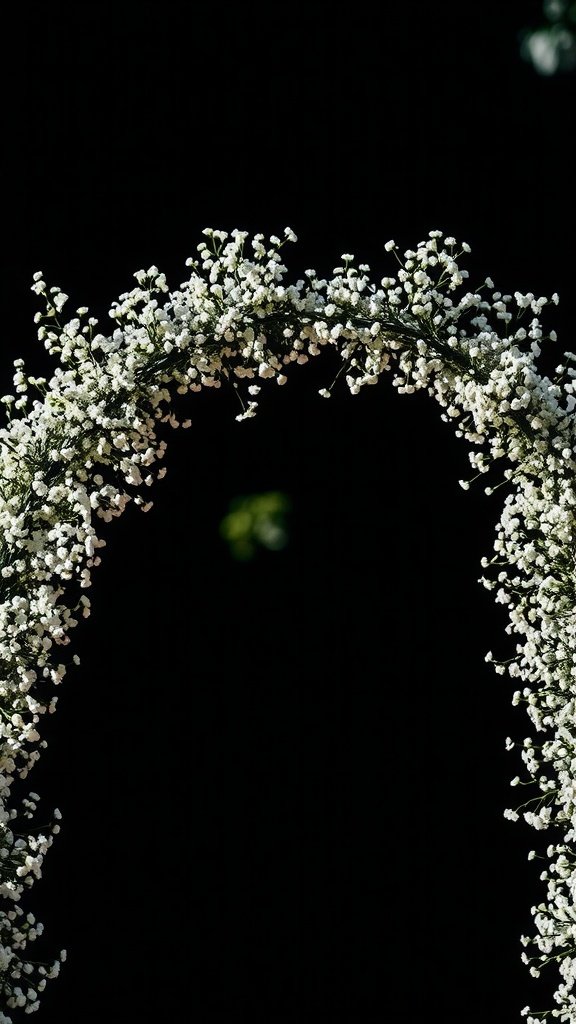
point(79, 447)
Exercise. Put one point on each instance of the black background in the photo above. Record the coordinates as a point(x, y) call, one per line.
point(282, 782)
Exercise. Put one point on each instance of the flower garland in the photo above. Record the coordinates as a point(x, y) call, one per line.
point(81, 450)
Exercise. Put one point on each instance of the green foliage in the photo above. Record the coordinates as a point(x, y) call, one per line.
point(256, 520)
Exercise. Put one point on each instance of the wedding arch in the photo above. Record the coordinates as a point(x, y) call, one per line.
point(78, 447)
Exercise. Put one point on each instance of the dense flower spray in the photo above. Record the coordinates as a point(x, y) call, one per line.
point(77, 448)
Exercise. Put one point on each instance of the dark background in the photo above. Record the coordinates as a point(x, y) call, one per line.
point(282, 781)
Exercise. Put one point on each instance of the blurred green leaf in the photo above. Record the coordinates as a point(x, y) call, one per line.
point(256, 521)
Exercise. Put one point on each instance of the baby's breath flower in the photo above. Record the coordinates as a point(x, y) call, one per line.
point(235, 320)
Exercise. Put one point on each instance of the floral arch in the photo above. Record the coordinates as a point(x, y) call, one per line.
point(78, 447)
